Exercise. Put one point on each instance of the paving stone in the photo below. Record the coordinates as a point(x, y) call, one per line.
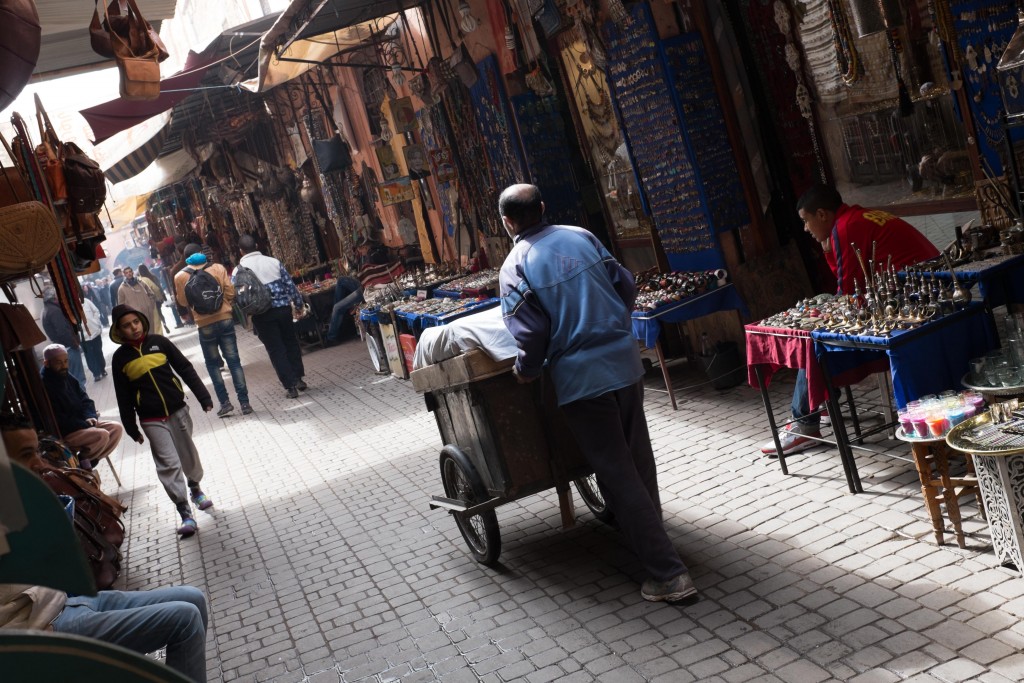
point(329, 559)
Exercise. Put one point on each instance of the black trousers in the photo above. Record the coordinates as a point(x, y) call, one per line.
point(611, 430)
point(277, 332)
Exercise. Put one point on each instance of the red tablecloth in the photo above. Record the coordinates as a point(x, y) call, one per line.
point(775, 348)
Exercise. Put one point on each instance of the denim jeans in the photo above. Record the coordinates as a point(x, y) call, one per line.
point(75, 367)
point(801, 405)
point(145, 621)
point(217, 338)
point(347, 293)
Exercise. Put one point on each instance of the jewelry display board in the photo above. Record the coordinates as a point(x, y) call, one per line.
point(544, 140)
point(650, 118)
point(690, 73)
point(983, 28)
point(494, 119)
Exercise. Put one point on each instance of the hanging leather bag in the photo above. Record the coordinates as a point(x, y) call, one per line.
point(138, 32)
point(84, 184)
point(48, 154)
point(29, 234)
point(137, 49)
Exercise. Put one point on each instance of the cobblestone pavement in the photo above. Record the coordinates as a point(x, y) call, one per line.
point(323, 562)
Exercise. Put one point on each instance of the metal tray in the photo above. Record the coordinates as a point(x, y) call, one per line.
point(969, 437)
point(1017, 390)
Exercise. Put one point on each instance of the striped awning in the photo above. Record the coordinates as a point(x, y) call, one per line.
point(136, 162)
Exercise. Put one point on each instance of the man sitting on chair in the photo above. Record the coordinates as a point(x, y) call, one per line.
point(174, 617)
point(76, 415)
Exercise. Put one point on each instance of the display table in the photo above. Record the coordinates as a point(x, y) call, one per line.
point(770, 349)
point(1000, 278)
point(999, 461)
point(931, 458)
point(647, 324)
point(928, 359)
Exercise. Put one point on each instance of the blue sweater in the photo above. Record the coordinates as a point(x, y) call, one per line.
point(566, 301)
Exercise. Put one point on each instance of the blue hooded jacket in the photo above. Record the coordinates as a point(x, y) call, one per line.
point(566, 301)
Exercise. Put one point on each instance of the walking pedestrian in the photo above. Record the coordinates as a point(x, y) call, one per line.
point(135, 294)
point(276, 328)
point(566, 301)
point(115, 285)
point(146, 368)
point(59, 330)
point(147, 278)
point(92, 347)
point(215, 322)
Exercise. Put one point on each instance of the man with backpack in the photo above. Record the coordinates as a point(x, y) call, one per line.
point(275, 326)
point(207, 292)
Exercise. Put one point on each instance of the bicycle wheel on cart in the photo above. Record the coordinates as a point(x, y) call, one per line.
point(462, 482)
point(591, 495)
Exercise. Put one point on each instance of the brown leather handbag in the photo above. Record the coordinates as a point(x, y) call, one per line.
point(131, 27)
point(29, 234)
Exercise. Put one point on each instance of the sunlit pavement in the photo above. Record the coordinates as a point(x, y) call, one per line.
point(323, 562)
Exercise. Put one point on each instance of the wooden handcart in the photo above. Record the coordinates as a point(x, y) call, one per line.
point(502, 441)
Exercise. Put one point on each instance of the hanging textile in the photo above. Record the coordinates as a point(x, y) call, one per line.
point(494, 118)
point(769, 26)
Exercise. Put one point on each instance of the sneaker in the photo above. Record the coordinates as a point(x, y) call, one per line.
point(188, 527)
point(202, 501)
point(678, 589)
point(225, 408)
point(292, 393)
point(301, 386)
point(246, 409)
point(793, 439)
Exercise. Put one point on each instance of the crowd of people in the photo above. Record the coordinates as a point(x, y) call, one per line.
point(150, 376)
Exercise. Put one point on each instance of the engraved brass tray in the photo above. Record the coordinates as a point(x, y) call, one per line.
point(979, 436)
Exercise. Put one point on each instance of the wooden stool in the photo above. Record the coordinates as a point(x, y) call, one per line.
point(931, 457)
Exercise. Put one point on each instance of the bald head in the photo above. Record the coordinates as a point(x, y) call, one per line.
point(520, 207)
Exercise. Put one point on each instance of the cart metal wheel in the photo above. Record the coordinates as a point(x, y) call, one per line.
point(591, 495)
point(462, 482)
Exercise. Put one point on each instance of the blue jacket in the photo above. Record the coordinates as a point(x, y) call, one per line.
point(566, 301)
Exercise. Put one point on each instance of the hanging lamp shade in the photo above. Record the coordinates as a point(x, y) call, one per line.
point(875, 16)
point(19, 46)
point(1010, 70)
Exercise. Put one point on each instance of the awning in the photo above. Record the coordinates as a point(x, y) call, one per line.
point(137, 161)
point(315, 30)
point(112, 117)
point(164, 171)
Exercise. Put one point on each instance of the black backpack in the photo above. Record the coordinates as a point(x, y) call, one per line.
point(203, 292)
point(251, 295)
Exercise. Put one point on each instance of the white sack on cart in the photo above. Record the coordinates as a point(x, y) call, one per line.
point(485, 330)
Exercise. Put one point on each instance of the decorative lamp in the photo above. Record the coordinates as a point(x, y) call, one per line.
point(1010, 71)
point(875, 16)
point(385, 130)
point(468, 23)
point(397, 77)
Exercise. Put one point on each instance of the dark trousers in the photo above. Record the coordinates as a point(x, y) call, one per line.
point(611, 430)
point(277, 332)
point(93, 349)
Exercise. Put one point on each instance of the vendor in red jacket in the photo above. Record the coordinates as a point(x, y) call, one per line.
point(839, 227)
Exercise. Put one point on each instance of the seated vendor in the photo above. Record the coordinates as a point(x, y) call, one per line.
point(839, 228)
point(174, 617)
point(348, 293)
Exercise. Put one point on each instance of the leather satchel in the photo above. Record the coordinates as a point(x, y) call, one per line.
point(140, 78)
point(18, 329)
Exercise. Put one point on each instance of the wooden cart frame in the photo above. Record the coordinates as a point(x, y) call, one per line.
point(502, 441)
